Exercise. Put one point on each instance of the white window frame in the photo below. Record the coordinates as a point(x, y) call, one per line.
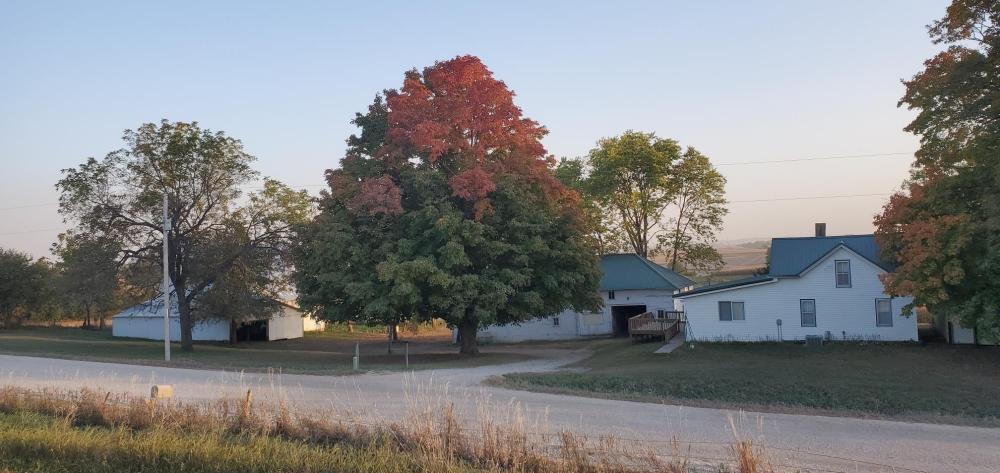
point(802, 313)
point(837, 273)
point(743, 309)
point(889, 312)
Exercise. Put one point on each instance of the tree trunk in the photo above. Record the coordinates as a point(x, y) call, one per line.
point(86, 320)
point(100, 322)
point(467, 329)
point(187, 324)
point(393, 333)
point(232, 332)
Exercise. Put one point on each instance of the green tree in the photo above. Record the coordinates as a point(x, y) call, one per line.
point(88, 275)
point(602, 226)
point(446, 206)
point(25, 286)
point(667, 201)
point(943, 228)
point(698, 208)
point(203, 174)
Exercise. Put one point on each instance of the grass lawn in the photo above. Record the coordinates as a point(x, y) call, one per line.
point(948, 383)
point(316, 353)
point(39, 443)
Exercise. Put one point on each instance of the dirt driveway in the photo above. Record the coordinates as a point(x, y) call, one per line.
point(812, 442)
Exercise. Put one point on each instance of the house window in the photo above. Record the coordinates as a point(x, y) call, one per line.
point(611, 295)
point(883, 312)
point(731, 310)
point(555, 321)
point(843, 273)
point(807, 312)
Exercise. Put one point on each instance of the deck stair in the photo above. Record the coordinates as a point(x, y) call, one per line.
point(662, 323)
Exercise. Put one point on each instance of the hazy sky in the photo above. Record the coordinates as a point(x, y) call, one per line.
point(741, 81)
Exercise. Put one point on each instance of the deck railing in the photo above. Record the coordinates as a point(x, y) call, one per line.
point(656, 324)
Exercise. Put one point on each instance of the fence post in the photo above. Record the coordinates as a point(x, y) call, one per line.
point(407, 345)
point(357, 355)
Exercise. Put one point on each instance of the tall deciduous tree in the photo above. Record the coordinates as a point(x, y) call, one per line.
point(632, 175)
point(698, 208)
point(88, 275)
point(602, 226)
point(943, 228)
point(667, 201)
point(24, 286)
point(202, 174)
point(445, 206)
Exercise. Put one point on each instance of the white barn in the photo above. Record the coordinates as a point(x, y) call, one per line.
point(630, 285)
point(816, 286)
point(146, 321)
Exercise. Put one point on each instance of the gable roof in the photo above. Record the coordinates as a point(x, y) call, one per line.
point(792, 256)
point(623, 272)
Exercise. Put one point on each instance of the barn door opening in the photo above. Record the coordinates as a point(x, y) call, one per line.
point(253, 331)
point(620, 315)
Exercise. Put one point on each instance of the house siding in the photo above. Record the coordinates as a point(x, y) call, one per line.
point(846, 312)
point(579, 325)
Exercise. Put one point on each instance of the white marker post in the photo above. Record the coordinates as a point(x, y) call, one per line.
point(166, 282)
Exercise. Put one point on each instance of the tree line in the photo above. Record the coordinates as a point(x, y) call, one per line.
point(447, 205)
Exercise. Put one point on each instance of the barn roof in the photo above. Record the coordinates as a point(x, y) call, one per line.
point(630, 271)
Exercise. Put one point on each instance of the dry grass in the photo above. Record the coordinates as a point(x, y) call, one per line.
point(502, 438)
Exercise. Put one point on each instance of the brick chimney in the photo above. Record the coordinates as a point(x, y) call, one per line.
point(821, 229)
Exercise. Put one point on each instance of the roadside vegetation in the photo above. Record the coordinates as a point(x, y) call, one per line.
point(89, 431)
point(943, 383)
point(329, 352)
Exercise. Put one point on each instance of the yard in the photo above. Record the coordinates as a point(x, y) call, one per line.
point(954, 384)
point(317, 353)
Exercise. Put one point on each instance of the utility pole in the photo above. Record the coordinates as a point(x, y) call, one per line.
point(166, 281)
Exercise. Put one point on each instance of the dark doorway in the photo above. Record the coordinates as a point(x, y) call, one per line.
point(255, 331)
point(620, 315)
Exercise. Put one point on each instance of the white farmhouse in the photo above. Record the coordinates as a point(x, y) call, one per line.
point(825, 286)
point(630, 285)
point(146, 321)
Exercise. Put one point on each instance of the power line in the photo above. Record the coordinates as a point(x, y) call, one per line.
point(820, 158)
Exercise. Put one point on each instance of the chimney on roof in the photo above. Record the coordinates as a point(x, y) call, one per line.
point(821, 229)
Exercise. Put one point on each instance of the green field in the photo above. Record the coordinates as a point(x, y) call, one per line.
point(38, 443)
point(316, 353)
point(950, 383)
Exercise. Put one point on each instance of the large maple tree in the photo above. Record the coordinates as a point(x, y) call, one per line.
point(446, 206)
point(943, 228)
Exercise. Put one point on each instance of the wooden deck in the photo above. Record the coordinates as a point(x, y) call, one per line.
point(652, 325)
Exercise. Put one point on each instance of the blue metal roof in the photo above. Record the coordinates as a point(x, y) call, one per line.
point(791, 256)
point(630, 271)
point(727, 285)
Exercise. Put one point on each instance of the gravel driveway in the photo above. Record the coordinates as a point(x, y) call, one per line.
point(845, 444)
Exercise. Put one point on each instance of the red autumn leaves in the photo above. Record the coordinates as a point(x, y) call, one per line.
point(457, 118)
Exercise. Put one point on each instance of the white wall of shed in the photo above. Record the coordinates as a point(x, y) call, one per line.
point(286, 324)
point(151, 328)
point(579, 325)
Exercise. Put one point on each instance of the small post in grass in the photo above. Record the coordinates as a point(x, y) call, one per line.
point(357, 355)
point(407, 345)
